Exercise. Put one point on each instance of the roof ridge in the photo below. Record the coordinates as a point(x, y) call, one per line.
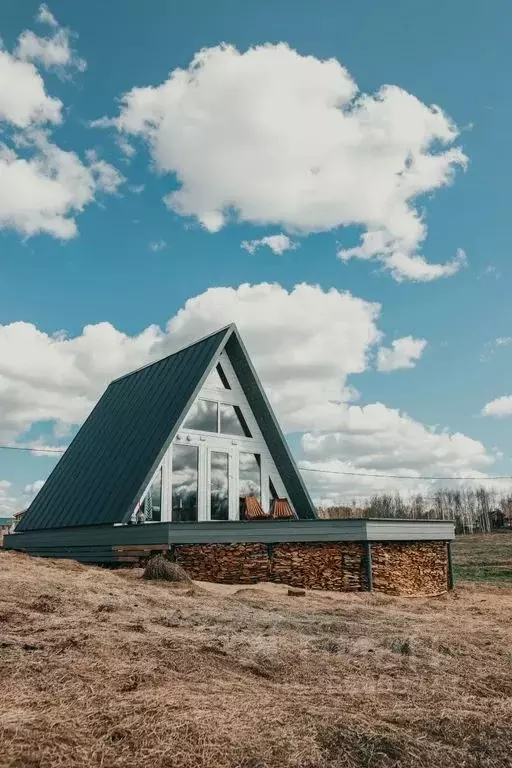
point(231, 327)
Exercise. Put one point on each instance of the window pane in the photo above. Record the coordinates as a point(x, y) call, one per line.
point(217, 378)
point(156, 496)
point(249, 476)
point(219, 486)
point(184, 482)
point(232, 421)
point(151, 505)
point(203, 416)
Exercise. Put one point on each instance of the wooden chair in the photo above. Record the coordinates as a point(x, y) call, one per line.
point(252, 509)
point(281, 509)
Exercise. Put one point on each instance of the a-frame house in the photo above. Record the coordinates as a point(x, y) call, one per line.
point(184, 439)
point(185, 456)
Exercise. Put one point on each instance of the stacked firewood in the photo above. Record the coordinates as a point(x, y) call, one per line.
point(354, 568)
point(226, 563)
point(418, 568)
point(314, 566)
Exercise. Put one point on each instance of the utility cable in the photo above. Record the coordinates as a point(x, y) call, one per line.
point(306, 469)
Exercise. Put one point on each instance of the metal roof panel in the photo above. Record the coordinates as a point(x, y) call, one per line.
point(105, 468)
point(108, 464)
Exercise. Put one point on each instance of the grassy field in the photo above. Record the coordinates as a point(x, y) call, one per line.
point(103, 669)
point(485, 557)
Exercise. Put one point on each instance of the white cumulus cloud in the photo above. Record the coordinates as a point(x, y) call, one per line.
point(278, 244)
point(307, 344)
point(45, 16)
point(491, 347)
point(51, 377)
point(42, 187)
point(31, 489)
point(51, 51)
point(499, 407)
point(157, 245)
point(125, 147)
point(403, 353)
point(275, 137)
point(8, 502)
point(402, 263)
point(23, 98)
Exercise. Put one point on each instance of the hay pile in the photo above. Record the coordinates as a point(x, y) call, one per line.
point(105, 668)
point(159, 568)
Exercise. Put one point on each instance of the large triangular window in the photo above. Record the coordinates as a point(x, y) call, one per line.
point(203, 416)
point(223, 418)
point(217, 379)
point(232, 421)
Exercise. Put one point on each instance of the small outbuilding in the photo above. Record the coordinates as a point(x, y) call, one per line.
point(5, 527)
point(185, 456)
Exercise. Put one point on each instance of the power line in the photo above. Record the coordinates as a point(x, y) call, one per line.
point(403, 477)
point(31, 450)
point(303, 469)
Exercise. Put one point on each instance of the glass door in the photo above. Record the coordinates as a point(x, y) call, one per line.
point(220, 485)
point(211, 478)
point(232, 474)
point(185, 483)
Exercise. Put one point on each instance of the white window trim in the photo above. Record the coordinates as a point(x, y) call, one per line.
point(206, 444)
point(163, 500)
point(221, 401)
point(232, 444)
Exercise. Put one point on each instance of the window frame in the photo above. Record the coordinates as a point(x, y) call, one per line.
point(193, 430)
point(241, 420)
point(218, 433)
point(226, 384)
point(168, 503)
point(221, 442)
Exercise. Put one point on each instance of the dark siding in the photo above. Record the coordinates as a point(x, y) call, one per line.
point(274, 438)
point(89, 536)
point(105, 469)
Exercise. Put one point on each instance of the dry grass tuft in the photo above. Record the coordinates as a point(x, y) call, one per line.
point(161, 569)
point(105, 669)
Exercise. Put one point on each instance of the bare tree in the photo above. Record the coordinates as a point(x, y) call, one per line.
point(471, 509)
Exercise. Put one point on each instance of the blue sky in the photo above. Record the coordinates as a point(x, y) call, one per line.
point(454, 56)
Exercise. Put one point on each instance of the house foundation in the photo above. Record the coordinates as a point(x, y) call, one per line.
point(398, 557)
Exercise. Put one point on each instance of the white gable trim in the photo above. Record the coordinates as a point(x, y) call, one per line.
point(206, 442)
point(233, 445)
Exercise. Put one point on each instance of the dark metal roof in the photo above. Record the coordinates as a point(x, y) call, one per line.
point(104, 471)
point(108, 465)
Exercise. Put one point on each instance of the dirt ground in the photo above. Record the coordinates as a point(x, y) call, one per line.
point(102, 668)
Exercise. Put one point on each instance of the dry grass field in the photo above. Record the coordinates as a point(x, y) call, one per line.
point(105, 669)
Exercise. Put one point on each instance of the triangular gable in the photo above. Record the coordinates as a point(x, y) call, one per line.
point(110, 462)
point(269, 426)
point(219, 419)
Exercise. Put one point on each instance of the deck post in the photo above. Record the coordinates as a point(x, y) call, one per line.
point(368, 566)
point(451, 575)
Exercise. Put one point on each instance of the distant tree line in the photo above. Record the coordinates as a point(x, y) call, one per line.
point(473, 510)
